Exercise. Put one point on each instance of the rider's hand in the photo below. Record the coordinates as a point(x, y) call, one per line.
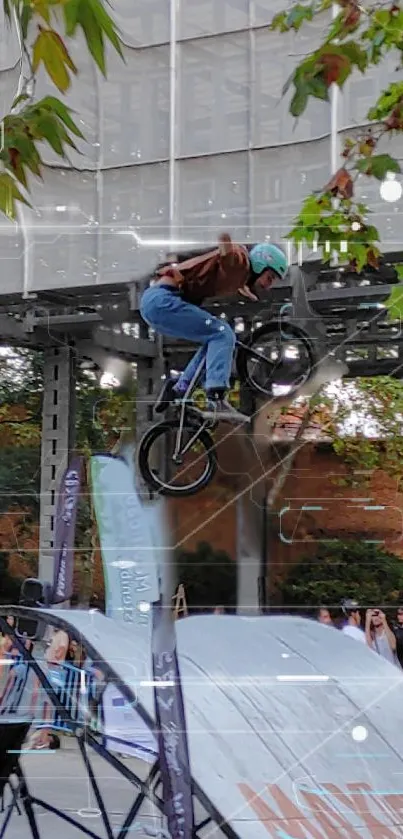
point(246, 292)
point(231, 253)
point(174, 274)
point(225, 244)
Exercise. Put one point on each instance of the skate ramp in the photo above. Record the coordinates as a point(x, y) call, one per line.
point(294, 729)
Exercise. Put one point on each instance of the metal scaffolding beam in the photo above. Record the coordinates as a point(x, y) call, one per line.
point(58, 432)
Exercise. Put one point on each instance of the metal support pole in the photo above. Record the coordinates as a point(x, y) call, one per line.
point(248, 529)
point(58, 432)
point(149, 383)
point(334, 135)
point(334, 122)
point(262, 586)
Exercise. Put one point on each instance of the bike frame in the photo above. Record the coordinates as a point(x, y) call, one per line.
point(182, 414)
point(186, 397)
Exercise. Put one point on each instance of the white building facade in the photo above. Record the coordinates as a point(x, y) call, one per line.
point(188, 137)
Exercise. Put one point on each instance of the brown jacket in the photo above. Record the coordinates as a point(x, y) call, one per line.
point(213, 275)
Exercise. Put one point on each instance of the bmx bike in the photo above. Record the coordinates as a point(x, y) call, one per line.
point(273, 360)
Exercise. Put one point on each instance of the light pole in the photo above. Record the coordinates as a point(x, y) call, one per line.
point(334, 105)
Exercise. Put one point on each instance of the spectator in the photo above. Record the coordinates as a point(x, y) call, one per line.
point(398, 633)
point(8, 648)
point(44, 739)
point(379, 636)
point(351, 610)
point(76, 654)
point(323, 616)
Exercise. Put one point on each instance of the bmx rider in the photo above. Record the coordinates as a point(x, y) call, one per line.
point(172, 306)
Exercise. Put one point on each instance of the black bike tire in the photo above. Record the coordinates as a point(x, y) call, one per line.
point(148, 476)
point(268, 328)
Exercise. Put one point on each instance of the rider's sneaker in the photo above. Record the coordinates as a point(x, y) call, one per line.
point(222, 411)
point(166, 397)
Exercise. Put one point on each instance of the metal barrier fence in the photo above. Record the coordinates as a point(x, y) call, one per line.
point(78, 689)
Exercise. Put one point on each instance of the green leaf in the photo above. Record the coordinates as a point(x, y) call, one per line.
point(48, 130)
point(97, 25)
point(381, 17)
point(93, 35)
point(51, 51)
point(359, 254)
point(394, 302)
point(299, 101)
point(25, 19)
point(395, 24)
point(371, 233)
point(106, 23)
point(70, 12)
point(278, 23)
point(298, 15)
point(356, 54)
point(40, 7)
point(318, 89)
point(311, 211)
point(20, 153)
point(385, 103)
point(63, 112)
point(9, 195)
point(378, 166)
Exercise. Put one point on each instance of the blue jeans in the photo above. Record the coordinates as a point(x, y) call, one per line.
point(166, 312)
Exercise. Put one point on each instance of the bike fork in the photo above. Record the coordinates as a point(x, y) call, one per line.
point(178, 451)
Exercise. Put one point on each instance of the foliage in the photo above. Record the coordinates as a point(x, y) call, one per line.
point(208, 576)
point(20, 479)
point(344, 569)
point(10, 586)
point(100, 412)
point(100, 415)
point(47, 121)
point(394, 302)
point(365, 423)
point(358, 38)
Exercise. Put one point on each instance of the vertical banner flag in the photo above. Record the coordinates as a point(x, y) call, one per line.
point(131, 577)
point(65, 530)
point(131, 585)
point(171, 726)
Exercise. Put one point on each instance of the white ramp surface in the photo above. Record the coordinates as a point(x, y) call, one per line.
point(294, 729)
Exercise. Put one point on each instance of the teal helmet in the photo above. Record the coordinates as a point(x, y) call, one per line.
point(266, 255)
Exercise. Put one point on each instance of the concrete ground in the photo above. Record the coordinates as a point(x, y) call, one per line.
point(61, 779)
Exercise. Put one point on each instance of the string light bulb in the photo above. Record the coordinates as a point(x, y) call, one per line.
point(390, 189)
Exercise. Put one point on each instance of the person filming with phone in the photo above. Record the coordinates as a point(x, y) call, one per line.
point(379, 636)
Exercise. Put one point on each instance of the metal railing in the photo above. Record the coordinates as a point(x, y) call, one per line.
point(78, 689)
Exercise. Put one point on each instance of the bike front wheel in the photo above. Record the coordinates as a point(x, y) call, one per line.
point(276, 359)
point(177, 476)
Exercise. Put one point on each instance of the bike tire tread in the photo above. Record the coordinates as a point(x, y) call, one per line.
point(157, 431)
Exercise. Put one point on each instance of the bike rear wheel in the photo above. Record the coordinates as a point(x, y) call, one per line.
point(275, 360)
point(197, 465)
